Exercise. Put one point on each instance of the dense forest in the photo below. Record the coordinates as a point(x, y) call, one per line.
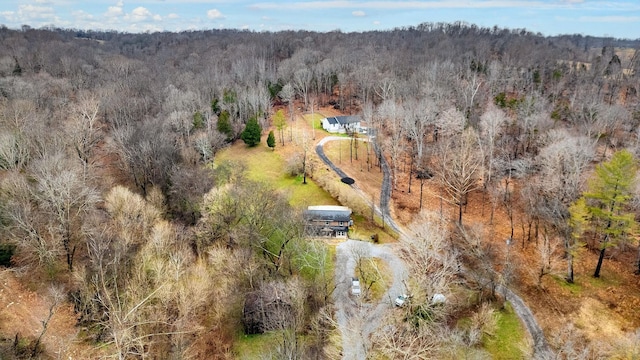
point(112, 201)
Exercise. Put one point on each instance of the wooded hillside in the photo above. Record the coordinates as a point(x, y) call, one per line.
point(110, 201)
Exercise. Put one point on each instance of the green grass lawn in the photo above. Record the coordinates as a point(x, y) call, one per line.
point(363, 228)
point(509, 340)
point(252, 347)
point(314, 121)
point(266, 165)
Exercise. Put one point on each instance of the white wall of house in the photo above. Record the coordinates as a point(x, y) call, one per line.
point(337, 128)
point(332, 128)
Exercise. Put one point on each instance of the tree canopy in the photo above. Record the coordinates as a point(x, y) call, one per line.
point(610, 190)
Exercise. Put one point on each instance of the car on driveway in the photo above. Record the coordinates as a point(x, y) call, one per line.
point(355, 287)
point(401, 299)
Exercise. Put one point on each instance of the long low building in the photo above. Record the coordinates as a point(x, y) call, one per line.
point(328, 220)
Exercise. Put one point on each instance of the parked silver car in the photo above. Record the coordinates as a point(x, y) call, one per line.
point(355, 287)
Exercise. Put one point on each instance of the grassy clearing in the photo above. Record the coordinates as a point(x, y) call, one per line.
point(604, 281)
point(375, 277)
point(266, 165)
point(314, 121)
point(363, 228)
point(508, 341)
point(252, 347)
point(573, 289)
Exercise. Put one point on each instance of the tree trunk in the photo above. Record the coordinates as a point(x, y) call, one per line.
point(421, 186)
point(599, 266)
point(410, 173)
point(569, 268)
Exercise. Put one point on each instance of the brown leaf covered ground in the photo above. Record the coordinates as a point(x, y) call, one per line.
point(602, 310)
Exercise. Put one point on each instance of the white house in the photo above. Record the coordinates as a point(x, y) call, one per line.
point(340, 124)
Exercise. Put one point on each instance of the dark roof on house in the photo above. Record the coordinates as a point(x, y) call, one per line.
point(328, 213)
point(343, 120)
point(332, 120)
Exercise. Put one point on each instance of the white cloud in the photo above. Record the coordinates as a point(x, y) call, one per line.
point(358, 13)
point(115, 11)
point(376, 22)
point(82, 15)
point(8, 15)
point(35, 12)
point(214, 14)
point(139, 14)
point(173, 16)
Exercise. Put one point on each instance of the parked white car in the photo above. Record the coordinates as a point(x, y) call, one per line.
point(355, 287)
point(401, 299)
point(438, 299)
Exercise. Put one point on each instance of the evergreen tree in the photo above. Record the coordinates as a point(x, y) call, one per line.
point(17, 69)
point(224, 124)
point(251, 133)
point(198, 120)
point(271, 140)
point(215, 106)
point(609, 192)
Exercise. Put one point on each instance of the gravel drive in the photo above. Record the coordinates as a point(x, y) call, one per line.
point(358, 320)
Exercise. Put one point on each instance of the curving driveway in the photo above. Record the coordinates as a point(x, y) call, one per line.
point(357, 320)
point(385, 193)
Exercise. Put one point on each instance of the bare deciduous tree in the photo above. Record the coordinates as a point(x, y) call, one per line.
point(84, 129)
point(458, 168)
point(66, 198)
point(301, 81)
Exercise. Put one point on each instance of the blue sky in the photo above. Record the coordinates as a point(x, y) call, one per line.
point(617, 18)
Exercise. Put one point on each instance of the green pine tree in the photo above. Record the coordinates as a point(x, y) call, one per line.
point(251, 133)
point(271, 140)
point(224, 124)
point(609, 193)
point(198, 120)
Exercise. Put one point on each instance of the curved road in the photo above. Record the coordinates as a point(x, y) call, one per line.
point(385, 192)
point(356, 320)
